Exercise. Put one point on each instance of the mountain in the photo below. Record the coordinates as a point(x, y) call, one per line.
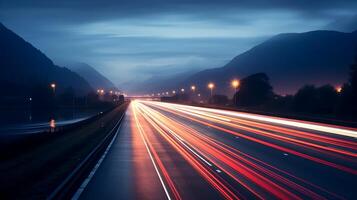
point(158, 83)
point(23, 67)
point(92, 76)
point(290, 60)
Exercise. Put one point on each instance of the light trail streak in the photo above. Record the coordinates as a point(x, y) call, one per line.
point(284, 149)
point(216, 182)
point(252, 175)
point(324, 148)
point(279, 137)
point(215, 160)
point(351, 132)
point(286, 131)
point(150, 149)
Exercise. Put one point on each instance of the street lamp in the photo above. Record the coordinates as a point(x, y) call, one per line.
point(53, 86)
point(173, 92)
point(182, 90)
point(193, 88)
point(235, 84)
point(211, 86)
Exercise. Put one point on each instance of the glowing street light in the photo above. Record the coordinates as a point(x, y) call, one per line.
point(235, 84)
point(211, 86)
point(53, 86)
point(173, 92)
point(339, 89)
point(182, 90)
point(193, 88)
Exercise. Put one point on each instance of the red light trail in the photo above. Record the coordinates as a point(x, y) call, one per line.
point(231, 171)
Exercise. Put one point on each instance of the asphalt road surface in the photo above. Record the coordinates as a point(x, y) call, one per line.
point(171, 151)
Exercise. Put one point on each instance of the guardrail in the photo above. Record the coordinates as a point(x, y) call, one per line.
point(10, 144)
point(71, 183)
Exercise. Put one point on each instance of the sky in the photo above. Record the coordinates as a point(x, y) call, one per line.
point(134, 40)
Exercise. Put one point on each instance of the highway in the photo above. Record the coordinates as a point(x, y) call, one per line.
point(172, 151)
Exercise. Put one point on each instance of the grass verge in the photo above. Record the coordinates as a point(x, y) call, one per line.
point(35, 173)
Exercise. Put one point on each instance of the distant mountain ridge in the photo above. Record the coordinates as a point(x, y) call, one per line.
point(158, 83)
point(290, 60)
point(92, 76)
point(23, 66)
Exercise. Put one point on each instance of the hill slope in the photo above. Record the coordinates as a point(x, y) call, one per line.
point(23, 66)
point(92, 76)
point(290, 60)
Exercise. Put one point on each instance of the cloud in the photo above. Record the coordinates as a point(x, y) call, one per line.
point(126, 40)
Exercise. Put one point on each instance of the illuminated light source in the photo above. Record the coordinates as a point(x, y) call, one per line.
point(339, 89)
point(235, 83)
point(173, 92)
point(193, 88)
point(52, 123)
point(53, 86)
point(167, 93)
point(211, 86)
point(182, 90)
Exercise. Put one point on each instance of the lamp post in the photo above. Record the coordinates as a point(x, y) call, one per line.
point(235, 84)
point(53, 86)
point(211, 86)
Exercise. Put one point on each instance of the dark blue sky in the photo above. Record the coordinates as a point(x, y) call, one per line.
point(129, 40)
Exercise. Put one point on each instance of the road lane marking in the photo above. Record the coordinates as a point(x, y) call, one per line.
point(151, 158)
point(91, 174)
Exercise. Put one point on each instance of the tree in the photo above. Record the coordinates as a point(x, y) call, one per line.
point(348, 97)
point(305, 99)
point(327, 97)
point(254, 90)
point(353, 77)
point(320, 100)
